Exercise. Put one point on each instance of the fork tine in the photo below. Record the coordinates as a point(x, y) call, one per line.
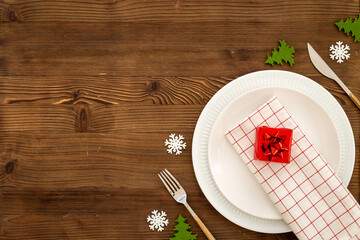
point(167, 183)
point(167, 187)
point(173, 178)
point(177, 187)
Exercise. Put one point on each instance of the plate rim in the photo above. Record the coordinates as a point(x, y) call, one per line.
point(227, 209)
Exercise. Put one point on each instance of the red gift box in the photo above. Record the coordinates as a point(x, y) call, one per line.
point(273, 144)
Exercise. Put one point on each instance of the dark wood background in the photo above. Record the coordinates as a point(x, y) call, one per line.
point(89, 91)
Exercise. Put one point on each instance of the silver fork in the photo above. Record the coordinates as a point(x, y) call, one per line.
point(179, 194)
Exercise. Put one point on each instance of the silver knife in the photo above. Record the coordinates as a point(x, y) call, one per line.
point(325, 70)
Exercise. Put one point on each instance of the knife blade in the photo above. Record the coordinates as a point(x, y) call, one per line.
point(325, 70)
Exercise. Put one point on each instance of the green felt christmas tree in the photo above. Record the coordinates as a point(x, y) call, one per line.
point(285, 53)
point(350, 26)
point(182, 230)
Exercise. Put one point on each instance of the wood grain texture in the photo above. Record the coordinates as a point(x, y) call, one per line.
point(89, 91)
point(110, 91)
point(161, 49)
point(177, 10)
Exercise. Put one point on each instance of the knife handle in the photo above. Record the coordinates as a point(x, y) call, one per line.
point(355, 99)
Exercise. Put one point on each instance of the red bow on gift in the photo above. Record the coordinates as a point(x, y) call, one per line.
point(274, 146)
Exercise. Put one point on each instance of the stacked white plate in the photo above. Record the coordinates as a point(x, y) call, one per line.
point(221, 173)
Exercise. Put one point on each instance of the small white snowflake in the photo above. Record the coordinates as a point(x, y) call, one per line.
point(157, 220)
point(175, 144)
point(339, 52)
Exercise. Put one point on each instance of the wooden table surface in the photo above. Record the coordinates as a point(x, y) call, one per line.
point(89, 91)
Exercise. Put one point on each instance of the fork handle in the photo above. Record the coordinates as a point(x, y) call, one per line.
point(199, 222)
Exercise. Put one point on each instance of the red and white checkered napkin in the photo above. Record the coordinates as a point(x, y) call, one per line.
point(310, 197)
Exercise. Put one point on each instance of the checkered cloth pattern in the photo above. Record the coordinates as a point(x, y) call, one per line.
point(310, 197)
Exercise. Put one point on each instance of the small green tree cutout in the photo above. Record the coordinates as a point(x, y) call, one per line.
point(285, 53)
point(182, 230)
point(350, 26)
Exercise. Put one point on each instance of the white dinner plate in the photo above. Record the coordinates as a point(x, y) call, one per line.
point(221, 173)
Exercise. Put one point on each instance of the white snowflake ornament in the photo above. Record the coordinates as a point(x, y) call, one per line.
point(339, 52)
point(175, 144)
point(157, 220)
